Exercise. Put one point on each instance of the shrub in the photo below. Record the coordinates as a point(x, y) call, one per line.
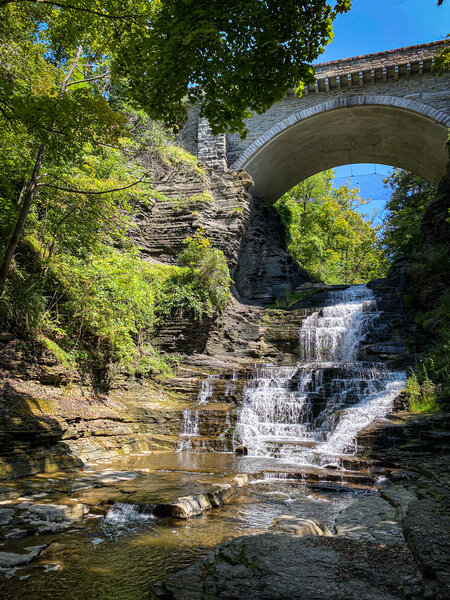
point(422, 396)
point(209, 269)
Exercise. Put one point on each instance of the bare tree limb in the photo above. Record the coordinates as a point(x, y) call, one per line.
point(72, 7)
point(93, 192)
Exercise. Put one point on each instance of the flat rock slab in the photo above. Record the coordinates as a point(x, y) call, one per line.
point(11, 559)
point(399, 496)
point(55, 513)
point(284, 567)
point(427, 530)
point(371, 518)
point(193, 506)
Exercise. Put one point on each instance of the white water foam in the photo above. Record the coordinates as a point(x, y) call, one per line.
point(307, 413)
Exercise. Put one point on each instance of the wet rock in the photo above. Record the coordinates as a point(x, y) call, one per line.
point(6, 514)
point(371, 518)
point(399, 497)
point(299, 526)
point(427, 530)
point(284, 567)
point(9, 560)
point(193, 506)
point(55, 513)
point(15, 534)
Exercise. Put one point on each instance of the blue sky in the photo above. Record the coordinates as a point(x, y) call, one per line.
point(373, 26)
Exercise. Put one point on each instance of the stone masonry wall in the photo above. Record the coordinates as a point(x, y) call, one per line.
point(428, 89)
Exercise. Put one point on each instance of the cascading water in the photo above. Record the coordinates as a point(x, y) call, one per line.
point(190, 423)
point(311, 414)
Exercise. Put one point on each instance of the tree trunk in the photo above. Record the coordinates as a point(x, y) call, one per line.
point(28, 200)
point(24, 210)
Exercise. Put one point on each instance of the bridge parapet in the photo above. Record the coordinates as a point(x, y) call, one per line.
point(373, 68)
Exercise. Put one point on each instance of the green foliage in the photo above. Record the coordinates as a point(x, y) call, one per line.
point(202, 198)
point(428, 284)
point(177, 155)
point(421, 392)
point(411, 195)
point(209, 269)
point(434, 318)
point(63, 357)
point(442, 62)
point(77, 283)
point(234, 56)
point(326, 235)
point(291, 298)
point(98, 311)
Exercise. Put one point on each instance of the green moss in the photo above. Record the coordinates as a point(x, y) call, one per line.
point(203, 197)
point(63, 357)
point(176, 155)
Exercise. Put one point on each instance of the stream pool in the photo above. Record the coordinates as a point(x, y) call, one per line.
point(118, 555)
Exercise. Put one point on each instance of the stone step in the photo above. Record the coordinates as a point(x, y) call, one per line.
point(309, 475)
point(336, 486)
point(186, 507)
point(295, 443)
point(356, 463)
point(210, 443)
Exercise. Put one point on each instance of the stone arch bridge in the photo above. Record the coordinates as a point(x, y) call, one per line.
point(388, 108)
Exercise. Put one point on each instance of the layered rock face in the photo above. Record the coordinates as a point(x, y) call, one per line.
point(50, 419)
point(265, 270)
point(217, 202)
point(422, 279)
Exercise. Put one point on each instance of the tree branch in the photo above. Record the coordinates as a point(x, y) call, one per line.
point(88, 79)
point(92, 192)
point(71, 7)
point(70, 71)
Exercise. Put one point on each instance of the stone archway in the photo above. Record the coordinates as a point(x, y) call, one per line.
point(357, 129)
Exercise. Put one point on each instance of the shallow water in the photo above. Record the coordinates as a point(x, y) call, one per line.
point(119, 556)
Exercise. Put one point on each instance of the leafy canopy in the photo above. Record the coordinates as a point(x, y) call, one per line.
point(234, 56)
point(410, 197)
point(326, 234)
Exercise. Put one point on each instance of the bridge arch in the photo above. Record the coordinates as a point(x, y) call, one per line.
point(359, 129)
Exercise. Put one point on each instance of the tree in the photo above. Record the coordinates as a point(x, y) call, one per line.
point(326, 234)
point(234, 56)
point(63, 65)
point(47, 100)
point(409, 200)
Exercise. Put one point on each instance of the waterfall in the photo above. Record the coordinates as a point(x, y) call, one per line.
point(190, 422)
point(189, 429)
point(310, 414)
point(206, 389)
